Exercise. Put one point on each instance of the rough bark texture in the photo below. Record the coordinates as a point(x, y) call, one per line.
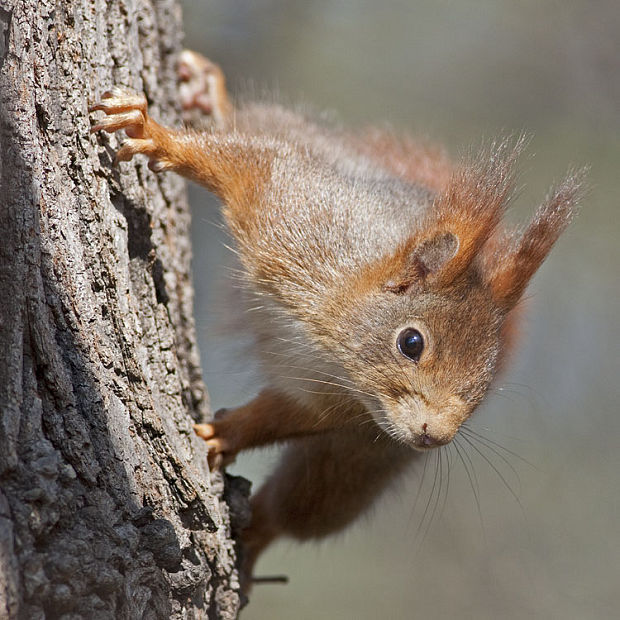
point(107, 508)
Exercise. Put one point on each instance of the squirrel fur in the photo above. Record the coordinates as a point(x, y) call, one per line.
point(380, 284)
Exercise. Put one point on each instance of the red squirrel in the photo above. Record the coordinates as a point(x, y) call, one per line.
point(379, 282)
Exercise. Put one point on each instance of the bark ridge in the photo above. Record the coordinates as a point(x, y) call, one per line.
point(107, 507)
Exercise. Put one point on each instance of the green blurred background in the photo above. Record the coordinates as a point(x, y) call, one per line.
point(456, 72)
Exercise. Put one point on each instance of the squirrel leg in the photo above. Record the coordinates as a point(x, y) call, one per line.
point(267, 419)
point(202, 87)
point(234, 166)
point(320, 486)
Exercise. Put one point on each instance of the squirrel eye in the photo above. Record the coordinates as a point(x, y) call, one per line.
point(410, 343)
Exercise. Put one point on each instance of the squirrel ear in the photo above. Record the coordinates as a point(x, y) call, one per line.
point(463, 217)
point(431, 255)
point(510, 263)
point(425, 260)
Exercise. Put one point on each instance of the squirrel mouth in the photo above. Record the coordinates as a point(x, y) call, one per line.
point(422, 440)
point(425, 442)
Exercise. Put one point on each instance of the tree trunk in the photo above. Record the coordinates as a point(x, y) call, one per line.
point(107, 507)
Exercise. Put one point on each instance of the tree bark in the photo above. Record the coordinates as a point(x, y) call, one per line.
point(107, 507)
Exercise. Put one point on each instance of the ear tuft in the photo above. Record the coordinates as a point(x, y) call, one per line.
point(472, 204)
point(510, 268)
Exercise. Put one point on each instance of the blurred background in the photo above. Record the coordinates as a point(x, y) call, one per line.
point(532, 530)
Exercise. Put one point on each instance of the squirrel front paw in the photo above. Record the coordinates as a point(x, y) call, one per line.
point(202, 87)
point(126, 109)
point(221, 450)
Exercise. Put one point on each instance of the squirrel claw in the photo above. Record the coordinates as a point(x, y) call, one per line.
point(115, 122)
point(120, 99)
point(126, 109)
point(219, 453)
point(220, 450)
point(205, 431)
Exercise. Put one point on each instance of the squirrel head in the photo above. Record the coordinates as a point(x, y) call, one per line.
point(421, 331)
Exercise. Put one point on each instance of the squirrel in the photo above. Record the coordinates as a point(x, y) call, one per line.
point(379, 283)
